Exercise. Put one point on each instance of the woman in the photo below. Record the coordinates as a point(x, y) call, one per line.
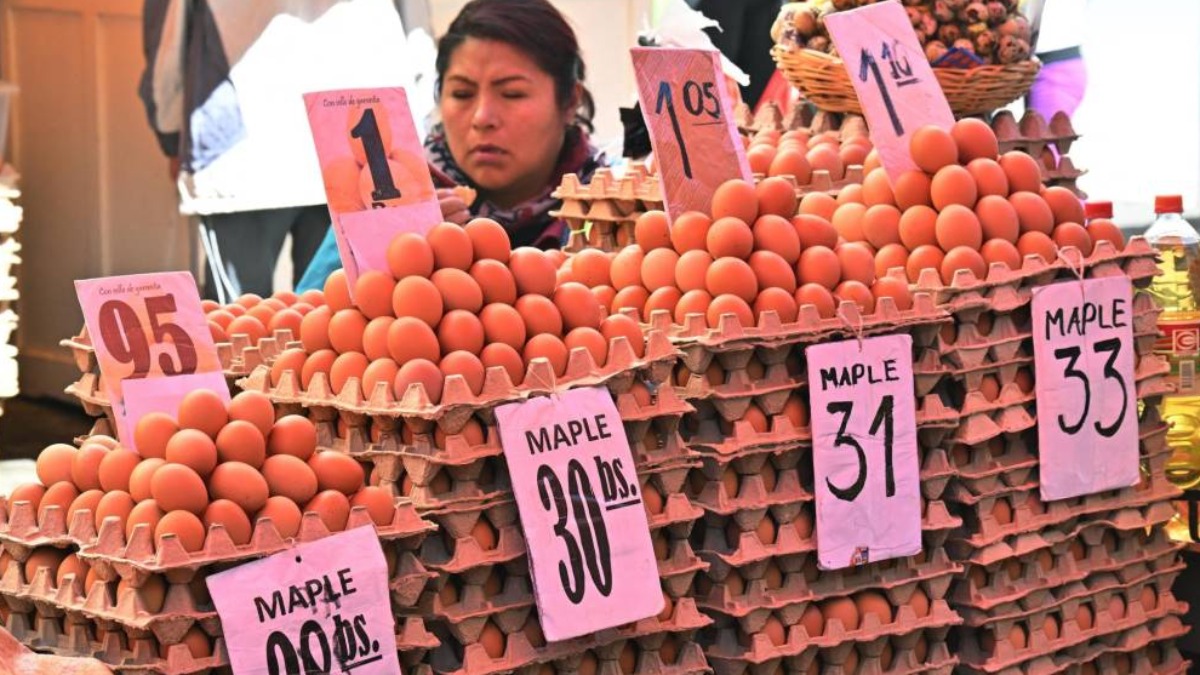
point(515, 118)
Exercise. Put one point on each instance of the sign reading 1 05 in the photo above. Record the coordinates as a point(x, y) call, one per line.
point(699, 102)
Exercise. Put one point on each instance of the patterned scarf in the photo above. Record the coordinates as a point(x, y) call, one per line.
point(528, 223)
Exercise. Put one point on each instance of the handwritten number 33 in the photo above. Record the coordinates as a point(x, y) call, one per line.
point(1071, 356)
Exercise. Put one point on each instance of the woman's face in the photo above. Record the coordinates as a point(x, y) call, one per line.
point(503, 124)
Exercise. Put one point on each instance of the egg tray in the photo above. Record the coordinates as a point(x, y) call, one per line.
point(136, 557)
point(971, 350)
point(409, 579)
point(467, 618)
point(68, 636)
point(1166, 659)
point(20, 531)
point(985, 474)
point(636, 185)
point(41, 596)
point(670, 458)
point(899, 582)
point(1163, 619)
point(938, 659)
point(694, 337)
point(732, 398)
point(988, 422)
point(458, 403)
point(1032, 602)
point(1032, 134)
point(1124, 518)
point(521, 657)
point(961, 494)
point(413, 642)
point(753, 498)
point(457, 551)
point(684, 621)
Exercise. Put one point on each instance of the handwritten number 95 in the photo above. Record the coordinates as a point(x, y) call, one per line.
point(1071, 355)
point(125, 339)
point(592, 546)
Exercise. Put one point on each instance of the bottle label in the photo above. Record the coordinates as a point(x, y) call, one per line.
point(1180, 344)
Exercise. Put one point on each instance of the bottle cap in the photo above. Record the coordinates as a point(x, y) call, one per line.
point(1168, 204)
point(1093, 210)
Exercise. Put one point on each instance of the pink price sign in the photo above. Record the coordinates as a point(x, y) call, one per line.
point(894, 81)
point(377, 182)
point(695, 139)
point(866, 470)
point(320, 607)
point(152, 343)
point(585, 526)
point(1086, 391)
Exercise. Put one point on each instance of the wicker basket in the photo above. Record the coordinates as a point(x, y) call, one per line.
point(822, 79)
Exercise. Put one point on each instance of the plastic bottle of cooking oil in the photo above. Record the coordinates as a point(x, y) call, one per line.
point(1177, 290)
point(1095, 210)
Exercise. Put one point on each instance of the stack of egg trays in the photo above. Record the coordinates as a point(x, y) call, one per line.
point(1049, 143)
point(448, 459)
point(10, 223)
point(238, 358)
point(87, 618)
point(1046, 573)
point(602, 213)
point(752, 476)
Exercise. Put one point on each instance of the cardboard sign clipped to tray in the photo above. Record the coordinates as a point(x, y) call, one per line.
point(692, 130)
point(866, 469)
point(152, 343)
point(581, 510)
point(1087, 412)
point(321, 607)
point(894, 81)
point(377, 181)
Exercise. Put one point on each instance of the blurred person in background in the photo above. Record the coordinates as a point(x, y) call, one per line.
point(1058, 29)
point(223, 89)
point(745, 38)
point(515, 117)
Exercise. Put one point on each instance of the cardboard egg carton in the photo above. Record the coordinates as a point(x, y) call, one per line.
point(1108, 626)
point(138, 556)
point(458, 404)
point(679, 565)
point(180, 611)
point(731, 399)
point(413, 643)
point(73, 636)
point(989, 419)
point(753, 497)
point(1158, 657)
point(666, 456)
point(565, 658)
point(21, 531)
point(1032, 134)
point(467, 617)
point(970, 349)
point(1004, 461)
point(636, 185)
point(456, 551)
point(918, 652)
point(519, 651)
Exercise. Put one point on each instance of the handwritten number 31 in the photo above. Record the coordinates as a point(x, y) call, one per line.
point(1071, 356)
point(884, 417)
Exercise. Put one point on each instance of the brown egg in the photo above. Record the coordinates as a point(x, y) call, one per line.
point(775, 631)
point(288, 360)
point(194, 449)
point(826, 158)
point(150, 435)
point(1084, 617)
point(503, 324)
point(922, 258)
point(578, 306)
point(953, 185)
point(417, 297)
point(27, 492)
point(652, 230)
point(85, 466)
point(333, 507)
point(730, 304)
point(346, 366)
point(373, 294)
point(186, 526)
point(777, 300)
point(815, 231)
point(622, 326)
point(790, 162)
point(729, 237)
point(689, 232)
point(998, 218)
point(974, 139)
point(504, 356)
point(115, 469)
point(495, 281)
point(819, 265)
point(419, 371)
point(1039, 244)
point(958, 226)
point(896, 289)
point(284, 515)
point(932, 148)
point(463, 330)
point(346, 330)
point(1001, 251)
point(540, 315)
point(841, 609)
point(919, 602)
point(1002, 512)
point(290, 477)
point(241, 484)
point(890, 257)
point(1103, 229)
point(777, 235)
point(877, 189)
point(856, 292)
point(817, 204)
point(876, 603)
point(989, 177)
point(659, 265)
point(732, 276)
point(1033, 212)
point(116, 504)
point(626, 267)
point(382, 370)
point(1074, 235)
point(409, 338)
point(962, 258)
point(87, 501)
point(489, 240)
point(314, 329)
point(203, 410)
point(484, 534)
point(139, 478)
point(881, 225)
point(532, 271)
point(1117, 607)
point(292, 435)
point(250, 326)
point(72, 566)
point(912, 188)
point(378, 503)
point(548, 347)
point(230, 516)
point(466, 365)
point(848, 221)
point(736, 198)
point(452, 246)
point(818, 296)
point(1024, 173)
point(458, 289)
point(592, 267)
point(48, 558)
point(492, 641)
point(1067, 208)
point(409, 254)
point(772, 271)
point(591, 340)
point(334, 471)
point(760, 157)
point(776, 196)
point(176, 487)
point(857, 263)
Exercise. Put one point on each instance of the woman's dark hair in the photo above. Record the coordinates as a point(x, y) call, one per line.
point(536, 28)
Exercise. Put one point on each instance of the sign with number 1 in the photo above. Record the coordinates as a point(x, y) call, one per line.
point(866, 469)
point(894, 81)
point(377, 182)
point(1086, 392)
point(682, 92)
point(585, 525)
point(152, 343)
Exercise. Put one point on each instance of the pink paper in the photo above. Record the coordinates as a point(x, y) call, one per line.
point(894, 81)
point(1086, 392)
point(692, 130)
point(585, 526)
point(322, 607)
point(868, 491)
point(371, 203)
point(152, 343)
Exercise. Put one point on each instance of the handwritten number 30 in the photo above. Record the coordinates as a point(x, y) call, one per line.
point(589, 521)
point(1071, 356)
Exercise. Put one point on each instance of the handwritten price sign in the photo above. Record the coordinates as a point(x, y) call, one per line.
point(320, 607)
point(152, 343)
point(867, 473)
point(1086, 392)
point(682, 92)
point(894, 82)
point(376, 179)
point(585, 526)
